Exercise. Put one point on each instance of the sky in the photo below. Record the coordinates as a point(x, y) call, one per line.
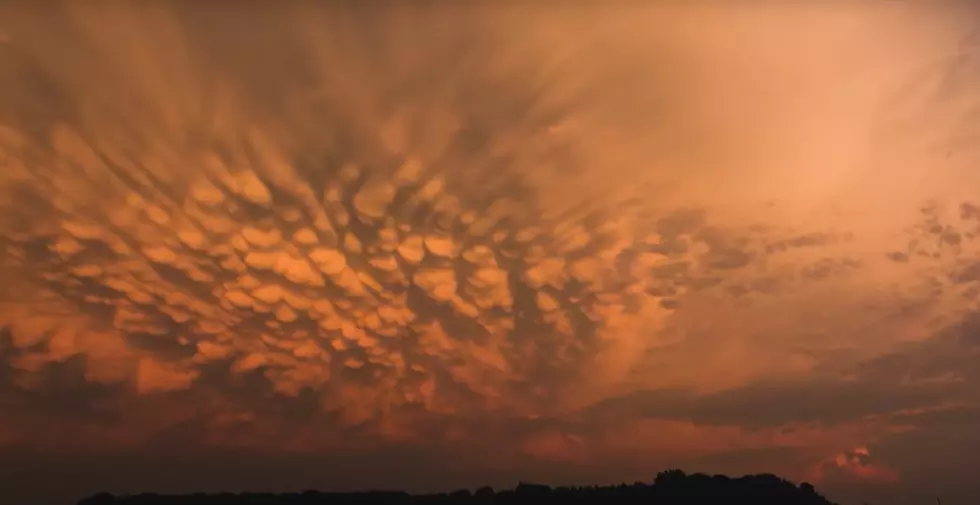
point(426, 246)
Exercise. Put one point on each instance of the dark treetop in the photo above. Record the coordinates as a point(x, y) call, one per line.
point(672, 487)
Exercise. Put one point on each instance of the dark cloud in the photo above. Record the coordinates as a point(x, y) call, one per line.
point(809, 240)
point(937, 372)
point(825, 402)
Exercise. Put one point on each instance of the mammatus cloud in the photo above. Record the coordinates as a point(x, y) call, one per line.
point(492, 242)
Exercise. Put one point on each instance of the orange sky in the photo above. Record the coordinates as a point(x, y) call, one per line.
point(294, 246)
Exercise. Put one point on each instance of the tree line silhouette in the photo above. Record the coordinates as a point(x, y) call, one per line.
point(671, 487)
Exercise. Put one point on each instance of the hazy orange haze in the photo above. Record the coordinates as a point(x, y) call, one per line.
point(287, 245)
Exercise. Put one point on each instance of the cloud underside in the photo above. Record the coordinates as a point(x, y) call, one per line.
point(386, 237)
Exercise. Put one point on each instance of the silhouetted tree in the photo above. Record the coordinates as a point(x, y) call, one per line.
point(670, 487)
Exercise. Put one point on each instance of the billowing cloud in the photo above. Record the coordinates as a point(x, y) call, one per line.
point(856, 465)
point(577, 245)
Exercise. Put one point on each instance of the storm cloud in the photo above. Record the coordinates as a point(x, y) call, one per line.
point(430, 245)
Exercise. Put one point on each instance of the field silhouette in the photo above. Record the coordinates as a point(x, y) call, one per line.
point(672, 487)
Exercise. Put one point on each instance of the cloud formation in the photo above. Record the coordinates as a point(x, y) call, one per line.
point(418, 245)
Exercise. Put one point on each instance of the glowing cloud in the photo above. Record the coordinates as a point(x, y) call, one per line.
point(740, 238)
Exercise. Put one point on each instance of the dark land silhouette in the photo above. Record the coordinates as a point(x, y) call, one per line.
point(672, 487)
